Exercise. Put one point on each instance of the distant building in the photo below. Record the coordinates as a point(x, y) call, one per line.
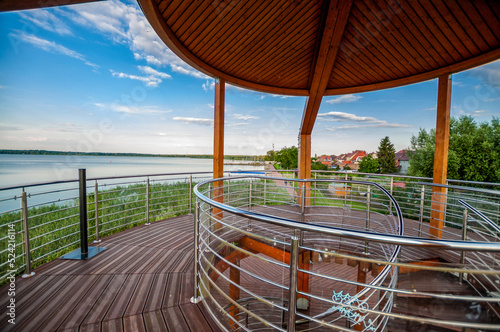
point(350, 159)
point(402, 162)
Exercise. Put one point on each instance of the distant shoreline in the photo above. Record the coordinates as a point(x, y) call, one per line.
point(110, 154)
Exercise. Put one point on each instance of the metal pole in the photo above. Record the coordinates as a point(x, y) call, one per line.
point(392, 190)
point(265, 188)
point(250, 195)
point(421, 218)
point(84, 245)
point(345, 191)
point(294, 273)
point(190, 193)
point(196, 298)
point(315, 188)
point(228, 191)
point(368, 205)
point(96, 205)
point(464, 237)
point(24, 202)
point(147, 201)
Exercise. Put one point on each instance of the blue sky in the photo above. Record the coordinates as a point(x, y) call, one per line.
point(95, 77)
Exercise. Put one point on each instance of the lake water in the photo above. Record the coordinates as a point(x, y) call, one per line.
point(18, 170)
point(27, 169)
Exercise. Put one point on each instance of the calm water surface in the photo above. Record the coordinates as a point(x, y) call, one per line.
point(27, 169)
point(19, 170)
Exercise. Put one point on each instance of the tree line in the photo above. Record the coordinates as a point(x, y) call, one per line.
point(473, 154)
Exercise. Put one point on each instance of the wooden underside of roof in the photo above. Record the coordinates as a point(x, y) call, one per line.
point(272, 45)
point(12, 5)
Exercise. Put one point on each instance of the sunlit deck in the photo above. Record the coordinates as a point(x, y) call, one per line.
point(142, 282)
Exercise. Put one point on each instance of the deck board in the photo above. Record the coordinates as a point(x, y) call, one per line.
point(143, 282)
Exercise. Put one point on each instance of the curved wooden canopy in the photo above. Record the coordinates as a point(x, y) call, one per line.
point(351, 46)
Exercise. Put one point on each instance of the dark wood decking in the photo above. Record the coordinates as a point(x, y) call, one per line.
point(142, 282)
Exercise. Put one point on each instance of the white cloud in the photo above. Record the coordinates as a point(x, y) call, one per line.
point(341, 116)
point(199, 121)
point(27, 139)
point(280, 96)
point(126, 24)
point(374, 125)
point(153, 80)
point(362, 121)
point(208, 85)
point(50, 46)
point(489, 75)
point(143, 110)
point(344, 99)
point(244, 117)
point(153, 72)
point(46, 20)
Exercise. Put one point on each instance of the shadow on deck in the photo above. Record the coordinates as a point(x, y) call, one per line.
point(143, 282)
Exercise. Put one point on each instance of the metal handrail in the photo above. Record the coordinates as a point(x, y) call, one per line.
point(335, 231)
point(479, 214)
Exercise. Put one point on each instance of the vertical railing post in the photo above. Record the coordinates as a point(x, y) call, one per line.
point(228, 191)
point(147, 201)
point(421, 218)
point(391, 191)
point(96, 209)
point(464, 237)
point(250, 195)
point(265, 189)
point(27, 252)
point(196, 298)
point(368, 207)
point(303, 202)
point(84, 245)
point(190, 193)
point(315, 188)
point(294, 273)
point(345, 191)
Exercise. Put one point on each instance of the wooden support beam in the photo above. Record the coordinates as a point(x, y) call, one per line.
point(333, 28)
point(438, 205)
point(305, 165)
point(218, 171)
point(12, 5)
point(234, 292)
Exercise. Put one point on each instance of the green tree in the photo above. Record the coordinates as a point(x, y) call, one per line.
point(288, 157)
point(473, 154)
point(270, 156)
point(386, 156)
point(317, 165)
point(368, 164)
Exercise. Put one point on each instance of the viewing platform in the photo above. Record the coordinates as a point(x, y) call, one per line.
point(142, 282)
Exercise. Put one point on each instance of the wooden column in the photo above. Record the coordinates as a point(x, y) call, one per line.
point(218, 190)
point(438, 205)
point(305, 163)
point(234, 292)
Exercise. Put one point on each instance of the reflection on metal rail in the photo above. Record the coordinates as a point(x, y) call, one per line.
point(314, 257)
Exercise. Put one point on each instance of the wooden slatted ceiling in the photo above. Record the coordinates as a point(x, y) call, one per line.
point(272, 45)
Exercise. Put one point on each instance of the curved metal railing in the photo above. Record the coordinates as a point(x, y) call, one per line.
point(255, 236)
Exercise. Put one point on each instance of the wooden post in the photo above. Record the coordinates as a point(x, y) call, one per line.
point(438, 205)
point(305, 164)
point(218, 189)
point(234, 292)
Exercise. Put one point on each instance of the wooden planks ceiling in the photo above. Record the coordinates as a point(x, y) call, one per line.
point(272, 45)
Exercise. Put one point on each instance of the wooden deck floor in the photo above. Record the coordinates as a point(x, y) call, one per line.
point(142, 282)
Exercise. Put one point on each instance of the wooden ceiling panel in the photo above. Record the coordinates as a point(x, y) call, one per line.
point(273, 45)
point(293, 49)
point(285, 42)
point(253, 46)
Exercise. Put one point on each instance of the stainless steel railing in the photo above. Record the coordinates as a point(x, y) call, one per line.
point(40, 222)
point(261, 237)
